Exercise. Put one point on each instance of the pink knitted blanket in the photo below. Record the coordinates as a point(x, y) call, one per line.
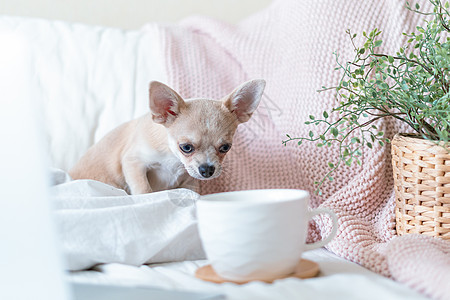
point(290, 44)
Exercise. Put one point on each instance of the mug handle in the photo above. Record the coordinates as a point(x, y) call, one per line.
point(318, 211)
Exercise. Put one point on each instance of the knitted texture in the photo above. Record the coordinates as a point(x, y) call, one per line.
point(290, 45)
point(429, 273)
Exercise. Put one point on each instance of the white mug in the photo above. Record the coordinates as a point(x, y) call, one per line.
point(257, 234)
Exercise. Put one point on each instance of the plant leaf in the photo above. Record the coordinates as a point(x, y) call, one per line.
point(378, 43)
point(334, 131)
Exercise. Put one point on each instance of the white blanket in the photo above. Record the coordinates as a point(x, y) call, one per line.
point(101, 224)
point(117, 233)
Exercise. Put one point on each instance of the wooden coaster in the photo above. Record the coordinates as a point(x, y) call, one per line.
point(305, 269)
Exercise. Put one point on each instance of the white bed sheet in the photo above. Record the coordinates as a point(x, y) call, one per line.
point(73, 62)
point(338, 279)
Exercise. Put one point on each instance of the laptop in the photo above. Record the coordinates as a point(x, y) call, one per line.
point(31, 263)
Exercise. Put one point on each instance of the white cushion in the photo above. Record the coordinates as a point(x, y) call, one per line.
point(89, 79)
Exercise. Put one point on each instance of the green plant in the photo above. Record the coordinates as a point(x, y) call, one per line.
point(411, 86)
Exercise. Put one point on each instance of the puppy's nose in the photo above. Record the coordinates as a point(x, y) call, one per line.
point(206, 170)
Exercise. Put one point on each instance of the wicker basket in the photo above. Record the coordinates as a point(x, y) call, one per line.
point(422, 186)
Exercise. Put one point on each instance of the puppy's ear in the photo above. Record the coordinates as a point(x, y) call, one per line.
point(244, 100)
point(165, 103)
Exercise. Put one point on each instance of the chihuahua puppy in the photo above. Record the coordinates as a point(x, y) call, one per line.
point(177, 142)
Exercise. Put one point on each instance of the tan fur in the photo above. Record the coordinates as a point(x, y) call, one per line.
point(143, 155)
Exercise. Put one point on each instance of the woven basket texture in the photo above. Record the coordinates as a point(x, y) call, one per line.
point(422, 186)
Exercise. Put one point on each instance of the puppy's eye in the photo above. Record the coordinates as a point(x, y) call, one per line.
point(187, 148)
point(224, 148)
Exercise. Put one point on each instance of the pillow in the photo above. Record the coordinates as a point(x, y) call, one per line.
point(88, 79)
